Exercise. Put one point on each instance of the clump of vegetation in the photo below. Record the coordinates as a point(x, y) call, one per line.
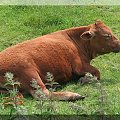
point(12, 87)
point(52, 87)
point(43, 103)
point(88, 78)
point(102, 100)
point(38, 93)
point(51, 83)
point(39, 96)
point(14, 98)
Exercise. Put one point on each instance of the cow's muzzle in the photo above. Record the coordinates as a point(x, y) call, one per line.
point(117, 48)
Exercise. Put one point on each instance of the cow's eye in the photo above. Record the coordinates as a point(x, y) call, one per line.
point(107, 36)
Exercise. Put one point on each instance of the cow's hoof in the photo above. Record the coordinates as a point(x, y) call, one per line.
point(88, 78)
point(75, 96)
point(66, 96)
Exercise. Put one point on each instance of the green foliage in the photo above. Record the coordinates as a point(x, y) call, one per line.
point(10, 82)
point(13, 90)
point(40, 96)
point(37, 91)
point(88, 78)
point(12, 99)
point(43, 103)
point(51, 82)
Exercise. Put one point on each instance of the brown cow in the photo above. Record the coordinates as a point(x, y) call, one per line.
point(64, 53)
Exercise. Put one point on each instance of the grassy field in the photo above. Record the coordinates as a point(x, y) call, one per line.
point(19, 23)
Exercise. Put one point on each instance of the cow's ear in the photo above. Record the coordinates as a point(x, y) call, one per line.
point(87, 35)
point(98, 23)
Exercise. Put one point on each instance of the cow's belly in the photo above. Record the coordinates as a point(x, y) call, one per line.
point(60, 68)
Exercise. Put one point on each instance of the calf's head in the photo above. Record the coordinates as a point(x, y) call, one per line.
point(101, 39)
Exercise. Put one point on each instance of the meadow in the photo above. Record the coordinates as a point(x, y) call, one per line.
point(20, 23)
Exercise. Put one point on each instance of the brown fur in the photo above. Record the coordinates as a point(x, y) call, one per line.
point(62, 53)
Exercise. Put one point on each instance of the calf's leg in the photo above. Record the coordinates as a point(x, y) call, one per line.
point(26, 78)
point(89, 68)
point(30, 74)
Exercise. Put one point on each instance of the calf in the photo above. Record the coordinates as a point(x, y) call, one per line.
point(63, 53)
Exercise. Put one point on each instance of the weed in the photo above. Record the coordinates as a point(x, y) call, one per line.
point(102, 95)
point(45, 104)
point(88, 78)
point(102, 99)
point(51, 83)
point(14, 97)
point(39, 96)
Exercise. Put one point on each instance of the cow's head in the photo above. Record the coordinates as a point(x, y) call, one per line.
point(101, 39)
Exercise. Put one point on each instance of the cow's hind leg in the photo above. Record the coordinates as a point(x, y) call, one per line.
point(30, 74)
point(26, 78)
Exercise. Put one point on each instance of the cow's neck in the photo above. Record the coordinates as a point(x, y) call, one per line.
point(83, 46)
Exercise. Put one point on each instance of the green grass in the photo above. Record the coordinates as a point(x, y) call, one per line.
point(19, 23)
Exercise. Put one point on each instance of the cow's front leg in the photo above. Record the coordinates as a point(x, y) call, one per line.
point(89, 68)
